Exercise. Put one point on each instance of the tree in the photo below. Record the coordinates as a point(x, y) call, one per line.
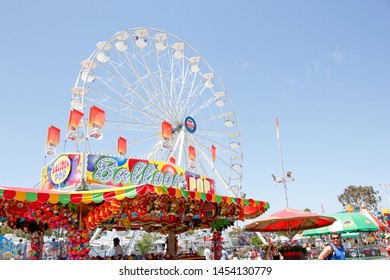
point(235, 232)
point(255, 240)
point(145, 243)
point(360, 197)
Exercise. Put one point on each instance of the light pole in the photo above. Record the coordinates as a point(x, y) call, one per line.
point(285, 177)
point(284, 180)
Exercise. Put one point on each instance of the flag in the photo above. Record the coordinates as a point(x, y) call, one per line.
point(166, 134)
point(213, 153)
point(53, 140)
point(96, 120)
point(277, 128)
point(122, 146)
point(73, 123)
point(192, 156)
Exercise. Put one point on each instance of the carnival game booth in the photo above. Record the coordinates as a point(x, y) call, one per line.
point(154, 209)
point(154, 205)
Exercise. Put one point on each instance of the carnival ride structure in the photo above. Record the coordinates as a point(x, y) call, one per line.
point(185, 170)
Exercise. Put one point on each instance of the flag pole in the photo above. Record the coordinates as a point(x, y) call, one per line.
point(281, 159)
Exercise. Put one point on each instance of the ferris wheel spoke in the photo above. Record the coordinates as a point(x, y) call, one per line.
point(123, 81)
point(120, 98)
point(180, 92)
point(150, 93)
point(197, 98)
point(191, 91)
point(130, 126)
point(115, 100)
point(194, 96)
point(172, 80)
point(218, 173)
point(221, 159)
point(214, 171)
point(125, 84)
point(140, 140)
point(213, 133)
point(206, 105)
point(153, 81)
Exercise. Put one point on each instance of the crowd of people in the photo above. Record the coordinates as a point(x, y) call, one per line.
point(267, 252)
point(335, 248)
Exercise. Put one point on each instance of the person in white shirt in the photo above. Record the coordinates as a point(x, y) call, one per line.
point(207, 253)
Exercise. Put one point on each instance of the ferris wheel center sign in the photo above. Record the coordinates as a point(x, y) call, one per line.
point(190, 124)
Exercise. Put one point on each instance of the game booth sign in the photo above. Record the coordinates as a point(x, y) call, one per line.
point(81, 192)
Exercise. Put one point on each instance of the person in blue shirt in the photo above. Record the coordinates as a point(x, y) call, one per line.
point(19, 248)
point(224, 255)
point(333, 251)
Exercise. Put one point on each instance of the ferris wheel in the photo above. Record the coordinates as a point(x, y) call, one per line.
point(142, 77)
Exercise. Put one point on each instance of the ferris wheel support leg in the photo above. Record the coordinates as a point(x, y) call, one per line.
point(97, 231)
point(181, 147)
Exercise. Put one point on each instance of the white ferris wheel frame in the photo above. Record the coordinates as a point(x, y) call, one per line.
point(143, 76)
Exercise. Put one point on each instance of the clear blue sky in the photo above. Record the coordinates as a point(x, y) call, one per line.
point(321, 67)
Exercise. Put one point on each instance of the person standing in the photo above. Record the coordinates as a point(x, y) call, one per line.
point(224, 255)
point(207, 253)
point(275, 254)
point(118, 254)
point(254, 254)
point(19, 248)
point(24, 250)
point(267, 253)
point(333, 251)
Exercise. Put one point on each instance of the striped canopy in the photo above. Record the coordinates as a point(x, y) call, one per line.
point(230, 208)
point(97, 196)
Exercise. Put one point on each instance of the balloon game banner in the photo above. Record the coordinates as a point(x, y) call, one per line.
point(96, 120)
point(53, 140)
point(73, 123)
point(192, 156)
point(213, 153)
point(166, 134)
point(64, 171)
point(122, 146)
point(118, 171)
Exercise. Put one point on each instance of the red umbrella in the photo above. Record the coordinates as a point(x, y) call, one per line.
point(368, 214)
point(289, 221)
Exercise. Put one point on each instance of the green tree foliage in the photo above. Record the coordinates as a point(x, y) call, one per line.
point(360, 197)
point(255, 240)
point(235, 232)
point(4, 229)
point(145, 243)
